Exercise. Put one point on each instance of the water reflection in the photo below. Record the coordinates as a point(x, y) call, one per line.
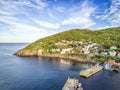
point(67, 62)
point(63, 61)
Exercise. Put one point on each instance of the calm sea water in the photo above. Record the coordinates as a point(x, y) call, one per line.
point(21, 73)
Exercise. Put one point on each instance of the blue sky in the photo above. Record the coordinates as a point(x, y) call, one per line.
point(29, 20)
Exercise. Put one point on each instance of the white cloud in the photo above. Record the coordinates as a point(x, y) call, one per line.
point(80, 15)
point(8, 19)
point(19, 28)
point(112, 14)
point(104, 27)
point(23, 24)
point(20, 32)
point(47, 24)
point(41, 3)
point(83, 22)
point(50, 13)
point(38, 3)
point(59, 9)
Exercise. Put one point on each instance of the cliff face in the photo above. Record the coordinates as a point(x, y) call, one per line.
point(106, 37)
point(26, 53)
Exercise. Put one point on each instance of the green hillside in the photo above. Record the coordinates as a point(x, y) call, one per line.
point(107, 37)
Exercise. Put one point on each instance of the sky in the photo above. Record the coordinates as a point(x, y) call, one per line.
point(29, 20)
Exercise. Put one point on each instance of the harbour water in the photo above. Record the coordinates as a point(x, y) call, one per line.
point(30, 73)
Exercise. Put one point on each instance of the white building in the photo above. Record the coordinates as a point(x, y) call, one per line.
point(112, 53)
point(40, 52)
point(96, 51)
point(55, 50)
point(118, 55)
point(113, 48)
point(86, 49)
point(104, 53)
point(66, 50)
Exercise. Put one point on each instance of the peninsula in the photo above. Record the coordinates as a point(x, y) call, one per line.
point(77, 44)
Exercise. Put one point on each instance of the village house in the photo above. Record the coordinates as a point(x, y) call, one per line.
point(104, 53)
point(85, 43)
point(112, 53)
point(63, 51)
point(90, 45)
point(61, 43)
point(113, 48)
point(78, 42)
point(94, 44)
point(69, 42)
point(85, 50)
point(81, 42)
point(118, 55)
point(96, 51)
point(101, 47)
point(55, 50)
point(40, 52)
point(64, 42)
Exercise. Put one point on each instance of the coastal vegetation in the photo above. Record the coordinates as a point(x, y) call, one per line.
point(80, 43)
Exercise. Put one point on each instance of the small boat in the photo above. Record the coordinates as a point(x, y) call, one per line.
point(109, 65)
point(91, 71)
point(72, 84)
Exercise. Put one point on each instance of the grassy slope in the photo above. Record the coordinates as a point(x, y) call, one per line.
point(107, 37)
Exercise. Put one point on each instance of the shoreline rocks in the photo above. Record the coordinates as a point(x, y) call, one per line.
point(34, 54)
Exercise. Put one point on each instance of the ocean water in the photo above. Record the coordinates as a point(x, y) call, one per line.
point(30, 73)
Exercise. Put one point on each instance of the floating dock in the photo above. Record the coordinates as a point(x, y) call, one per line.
point(72, 84)
point(91, 71)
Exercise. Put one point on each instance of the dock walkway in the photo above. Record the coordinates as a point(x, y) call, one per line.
point(91, 71)
point(72, 84)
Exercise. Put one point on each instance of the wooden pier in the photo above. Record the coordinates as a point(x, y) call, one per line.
point(72, 84)
point(91, 71)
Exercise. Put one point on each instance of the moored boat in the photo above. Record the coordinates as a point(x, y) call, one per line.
point(109, 65)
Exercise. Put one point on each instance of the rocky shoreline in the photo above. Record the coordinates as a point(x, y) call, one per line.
point(69, 58)
point(55, 56)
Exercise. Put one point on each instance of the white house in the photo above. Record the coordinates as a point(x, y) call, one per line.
point(40, 52)
point(112, 53)
point(55, 50)
point(86, 50)
point(118, 55)
point(81, 42)
point(66, 50)
point(90, 45)
point(113, 48)
point(94, 44)
point(61, 43)
point(104, 53)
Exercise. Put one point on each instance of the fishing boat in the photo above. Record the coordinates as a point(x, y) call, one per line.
point(72, 84)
